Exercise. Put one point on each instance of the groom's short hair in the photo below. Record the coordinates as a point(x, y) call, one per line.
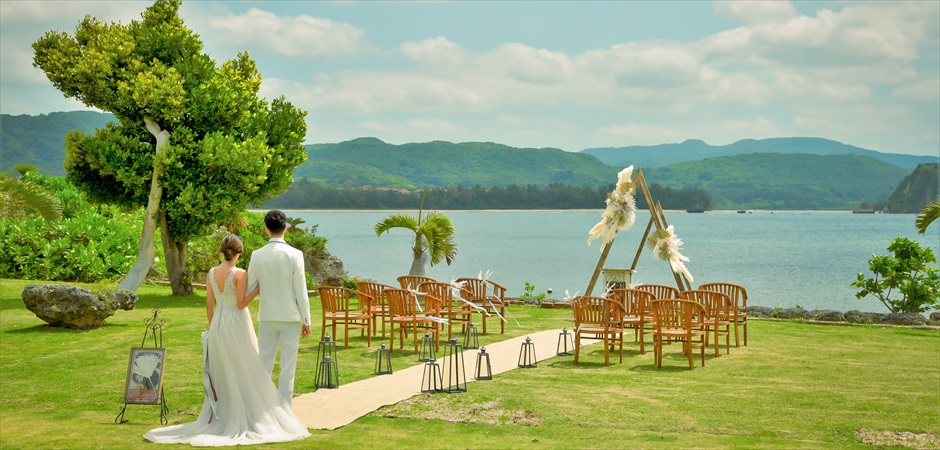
point(275, 221)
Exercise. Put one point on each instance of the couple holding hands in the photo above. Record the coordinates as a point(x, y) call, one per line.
point(242, 405)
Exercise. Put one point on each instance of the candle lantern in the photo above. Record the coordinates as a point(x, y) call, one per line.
point(483, 371)
point(432, 380)
point(383, 361)
point(456, 368)
point(328, 365)
point(327, 374)
point(565, 343)
point(426, 352)
point(471, 339)
point(527, 359)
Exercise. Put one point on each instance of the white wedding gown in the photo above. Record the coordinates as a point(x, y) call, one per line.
point(249, 409)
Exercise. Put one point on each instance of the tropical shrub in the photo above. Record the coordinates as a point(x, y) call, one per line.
point(91, 246)
point(906, 272)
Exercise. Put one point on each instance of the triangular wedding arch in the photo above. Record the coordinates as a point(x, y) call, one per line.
point(657, 219)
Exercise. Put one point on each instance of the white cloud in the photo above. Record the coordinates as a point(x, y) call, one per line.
point(753, 11)
point(301, 35)
point(925, 90)
point(858, 35)
point(438, 53)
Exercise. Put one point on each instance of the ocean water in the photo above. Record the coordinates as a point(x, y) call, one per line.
point(783, 258)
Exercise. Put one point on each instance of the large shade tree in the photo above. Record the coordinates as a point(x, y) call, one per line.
point(193, 142)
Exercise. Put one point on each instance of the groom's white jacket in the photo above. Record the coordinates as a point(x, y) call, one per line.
point(279, 270)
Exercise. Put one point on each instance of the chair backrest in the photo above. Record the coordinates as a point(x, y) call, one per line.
point(659, 291)
point(401, 302)
point(715, 303)
point(373, 292)
point(438, 295)
point(676, 314)
point(597, 311)
point(737, 292)
point(634, 301)
point(335, 298)
point(412, 281)
point(474, 289)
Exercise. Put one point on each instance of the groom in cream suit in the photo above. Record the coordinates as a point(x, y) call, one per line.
point(284, 315)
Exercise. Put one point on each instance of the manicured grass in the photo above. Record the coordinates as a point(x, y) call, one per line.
point(794, 386)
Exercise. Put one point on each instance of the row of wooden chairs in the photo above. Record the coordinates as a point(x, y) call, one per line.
point(420, 305)
point(691, 317)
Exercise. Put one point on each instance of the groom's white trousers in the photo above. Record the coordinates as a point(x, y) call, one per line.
point(287, 335)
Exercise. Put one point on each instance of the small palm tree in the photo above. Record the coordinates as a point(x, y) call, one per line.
point(18, 195)
point(927, 215)
point(434, 236)
point(293, 225)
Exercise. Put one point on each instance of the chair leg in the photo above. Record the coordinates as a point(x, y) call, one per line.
point(640, 328)
point(745, 332)
point(737, 341)
point(658, 350)
point(717, 352)
point(577, 347)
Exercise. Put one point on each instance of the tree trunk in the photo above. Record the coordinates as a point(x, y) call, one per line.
point(181, 279)
point(138, 274)
point(420, 258)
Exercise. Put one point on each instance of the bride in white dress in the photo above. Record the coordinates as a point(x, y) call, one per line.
point(242, 404)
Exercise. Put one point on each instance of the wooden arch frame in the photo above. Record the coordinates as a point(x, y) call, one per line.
point(657, 218)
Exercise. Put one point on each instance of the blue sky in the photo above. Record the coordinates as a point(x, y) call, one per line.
point(570, 75)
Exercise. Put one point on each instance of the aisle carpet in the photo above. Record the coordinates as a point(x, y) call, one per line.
point(329, 409)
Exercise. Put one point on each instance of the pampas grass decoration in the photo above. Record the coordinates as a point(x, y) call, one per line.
point(665, 246)
point(620, 213)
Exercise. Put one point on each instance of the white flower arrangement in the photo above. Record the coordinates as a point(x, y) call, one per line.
point(620, 213)
point(665, 246)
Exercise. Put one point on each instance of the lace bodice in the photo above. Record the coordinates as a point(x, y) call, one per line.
point(224, 299)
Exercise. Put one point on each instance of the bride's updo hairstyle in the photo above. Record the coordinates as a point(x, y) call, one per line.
point(231, 247)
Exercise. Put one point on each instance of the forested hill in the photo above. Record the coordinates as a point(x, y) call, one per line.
point(371, 162)
point(776, 181)
point(40, 140)
point(916, 190)
point(694, 149)
point(746, 180)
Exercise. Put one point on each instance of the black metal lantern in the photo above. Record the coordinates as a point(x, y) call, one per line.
point(327, 374)
point(383, 361)
point(565, 343)
point(483, 371)
point(432, 380)
point(527, 359)
point(426, 352)
point(471, 339)
point(456, 368)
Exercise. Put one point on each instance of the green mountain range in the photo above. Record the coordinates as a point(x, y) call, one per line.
point(784, 173)
point(694, 149)
point(40, 140)
point(778, 181)
point(371, 162)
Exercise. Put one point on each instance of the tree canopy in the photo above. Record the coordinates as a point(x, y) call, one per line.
point(224, 147)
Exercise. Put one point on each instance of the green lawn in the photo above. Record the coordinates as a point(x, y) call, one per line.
point(794, 386)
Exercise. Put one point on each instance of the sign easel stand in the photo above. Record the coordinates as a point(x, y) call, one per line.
point(153, 329)
point(657, 218)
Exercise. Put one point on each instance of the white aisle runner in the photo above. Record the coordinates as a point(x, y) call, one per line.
point(329, 409)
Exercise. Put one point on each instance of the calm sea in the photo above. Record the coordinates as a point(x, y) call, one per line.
point(783, 258)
